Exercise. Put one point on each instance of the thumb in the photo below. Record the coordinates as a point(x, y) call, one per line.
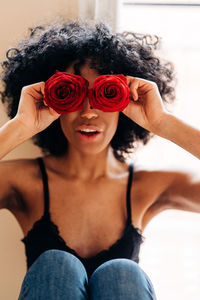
point(131, 108)
point(53, 112)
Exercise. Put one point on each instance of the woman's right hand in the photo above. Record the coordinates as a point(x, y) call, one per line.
point(33, 113)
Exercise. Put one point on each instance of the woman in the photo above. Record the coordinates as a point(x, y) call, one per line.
point(82, 241)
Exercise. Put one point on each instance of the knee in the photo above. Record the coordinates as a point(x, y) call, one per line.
point(122, 277)
point(121, 269)
point(57, 261)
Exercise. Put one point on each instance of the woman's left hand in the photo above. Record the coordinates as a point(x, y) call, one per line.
point(146, 106)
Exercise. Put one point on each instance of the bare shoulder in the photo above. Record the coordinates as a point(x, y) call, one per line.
point(156, 190)
point(16, 176)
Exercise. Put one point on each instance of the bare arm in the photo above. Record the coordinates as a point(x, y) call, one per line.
point(8, 192)
point(11, 135)
point(181, 133)
point(32, 117)
point(146, 108)
point(183, 191)
point(170, 190)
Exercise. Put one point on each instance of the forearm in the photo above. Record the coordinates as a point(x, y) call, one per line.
point(11, 135)
point(182, 134)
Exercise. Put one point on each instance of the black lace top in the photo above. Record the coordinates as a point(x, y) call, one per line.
point(44, 235)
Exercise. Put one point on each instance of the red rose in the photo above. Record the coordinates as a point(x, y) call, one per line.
point(65, 92)
point(109, 93)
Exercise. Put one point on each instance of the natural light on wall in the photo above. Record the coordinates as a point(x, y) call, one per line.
point(170, 253)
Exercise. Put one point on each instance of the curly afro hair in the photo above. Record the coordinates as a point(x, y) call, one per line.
point(55, 46)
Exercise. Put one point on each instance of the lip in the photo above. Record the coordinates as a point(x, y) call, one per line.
point(88, 137)
point(92, 127)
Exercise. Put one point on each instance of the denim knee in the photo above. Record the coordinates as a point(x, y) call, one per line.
point(121, 278)
point(59, 262)
point(120, 267)
point(55, 275)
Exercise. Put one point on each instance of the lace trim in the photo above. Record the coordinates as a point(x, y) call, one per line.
point(128, 230)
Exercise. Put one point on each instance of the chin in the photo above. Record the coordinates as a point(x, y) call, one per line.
point(91, 149)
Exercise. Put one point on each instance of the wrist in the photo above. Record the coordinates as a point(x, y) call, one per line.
point(179, 132)
point(22, 133)
point(166, 127)
point(11, 135)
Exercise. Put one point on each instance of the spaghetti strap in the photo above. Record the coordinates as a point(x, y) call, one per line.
point(45, 185)
point(128, 196)
point(44, 235)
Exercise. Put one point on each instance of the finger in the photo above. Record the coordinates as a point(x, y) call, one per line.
point(133, 84)
point(37, 88)
point(53, 112)
point(129, 79)
point(133, 89)
point(42, 87)
point(45, 103)
point(132, 109)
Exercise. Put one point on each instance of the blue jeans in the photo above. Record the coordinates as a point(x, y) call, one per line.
point(59, 275)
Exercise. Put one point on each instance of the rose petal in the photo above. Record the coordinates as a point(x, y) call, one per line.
point(110, 93)
point(65, 92)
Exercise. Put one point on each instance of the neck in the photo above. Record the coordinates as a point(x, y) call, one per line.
point(88, 167)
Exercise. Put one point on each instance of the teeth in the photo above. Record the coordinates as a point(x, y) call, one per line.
point(88, 130)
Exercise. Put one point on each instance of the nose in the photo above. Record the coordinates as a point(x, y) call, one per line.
point(87, 111)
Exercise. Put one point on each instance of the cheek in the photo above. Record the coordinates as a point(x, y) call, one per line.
point(66, 122)
point(112, 123)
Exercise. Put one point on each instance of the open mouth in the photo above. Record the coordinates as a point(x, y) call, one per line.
point(91, 133)
point(88, 134)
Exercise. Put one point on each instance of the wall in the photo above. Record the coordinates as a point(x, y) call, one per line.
point(15, 19)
